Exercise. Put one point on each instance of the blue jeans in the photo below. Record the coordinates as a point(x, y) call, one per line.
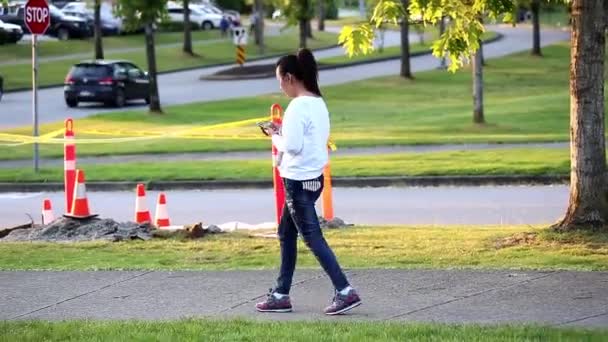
point(299, 216)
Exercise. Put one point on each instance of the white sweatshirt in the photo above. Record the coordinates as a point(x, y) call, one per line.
point(303, 138)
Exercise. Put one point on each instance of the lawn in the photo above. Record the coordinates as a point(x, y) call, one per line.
point(245, 330)
point(168, 58)
point(50, 48)
point(437, 247)
point(492, 162)
point(526, 100)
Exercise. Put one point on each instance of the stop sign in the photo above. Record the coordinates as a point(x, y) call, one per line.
point(37, 16)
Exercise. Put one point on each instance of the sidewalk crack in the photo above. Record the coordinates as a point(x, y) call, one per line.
point(81, 295)
point(475, 294)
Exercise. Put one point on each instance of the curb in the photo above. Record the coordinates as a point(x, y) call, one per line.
point(178, 70)
point(357, 182)
point(321, 67)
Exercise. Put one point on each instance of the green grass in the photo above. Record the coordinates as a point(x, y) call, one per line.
point(345, 21)
point(526, 100)
point(393, 51)
point(557, 18)
point(168, 58)
point(438, 247)
point(246, 330)
point(20, 52)
point(492, 162)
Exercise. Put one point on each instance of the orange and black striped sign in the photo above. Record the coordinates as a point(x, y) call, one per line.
point(240, 54)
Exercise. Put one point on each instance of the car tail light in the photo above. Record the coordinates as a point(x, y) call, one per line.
point(69, 80)
point(106, 81)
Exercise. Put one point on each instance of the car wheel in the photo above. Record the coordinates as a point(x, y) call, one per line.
point(207, 25)
point(119, 99)
point(63, 34)
point(72, 103)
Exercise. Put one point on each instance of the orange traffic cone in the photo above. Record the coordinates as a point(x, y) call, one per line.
point(162, 216)
point(80, 203)
point(142, 214)
point(47, 212)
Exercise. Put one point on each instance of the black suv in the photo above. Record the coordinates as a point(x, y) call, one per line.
point(62, 26)
point(111, 82)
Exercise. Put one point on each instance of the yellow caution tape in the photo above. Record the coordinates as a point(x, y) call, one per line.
point(220, 131)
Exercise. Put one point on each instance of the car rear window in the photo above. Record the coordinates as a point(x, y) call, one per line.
point(91, 70)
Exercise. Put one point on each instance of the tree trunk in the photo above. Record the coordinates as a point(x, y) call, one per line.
point(321, 22)
point(97, 31)
point(302, 33)
point(588, 205)
point(535, 6)
point(187, 29)
point(259, 26)
point(480, 51)
point(442, 62)
point(309, 29)
point(477, 68)
point(151, 55)
point(406, 71)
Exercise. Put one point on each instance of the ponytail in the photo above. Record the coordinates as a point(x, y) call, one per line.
point(303, 67)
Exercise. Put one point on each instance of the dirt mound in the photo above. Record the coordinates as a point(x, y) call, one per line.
point(67, 229)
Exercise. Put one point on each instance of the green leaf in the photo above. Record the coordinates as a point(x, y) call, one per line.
point(357, 39)
point(462, 35)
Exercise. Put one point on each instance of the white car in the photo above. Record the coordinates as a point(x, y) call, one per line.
point(235, 16)
point(277, 14)
point(203, 17)
point(109, 22)
point(13, 32)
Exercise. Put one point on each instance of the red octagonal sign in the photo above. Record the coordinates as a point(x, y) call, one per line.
point(37, 16)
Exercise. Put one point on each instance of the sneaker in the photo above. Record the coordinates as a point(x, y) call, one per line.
point(342, 303)
point(273, 304)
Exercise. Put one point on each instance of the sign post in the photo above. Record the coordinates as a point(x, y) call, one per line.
point(240, 40)
point(37, 19)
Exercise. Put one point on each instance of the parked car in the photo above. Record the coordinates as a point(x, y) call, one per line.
point(11, 33)
point(107, 27)
point(110, 24)
point(59, 3)
point(111, 82)
point(62, 26)
point(205, 18)
point(277, 14)
point(233, 16)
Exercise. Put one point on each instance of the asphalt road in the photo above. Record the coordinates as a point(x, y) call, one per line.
point(484, 205)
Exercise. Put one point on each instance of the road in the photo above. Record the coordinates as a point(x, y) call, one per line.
point(15, 109)
point(485, 205)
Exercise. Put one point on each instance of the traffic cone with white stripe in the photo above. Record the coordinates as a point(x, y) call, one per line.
point(142, 214)
point(162, 216)
point(47, 212)
point(80, 203)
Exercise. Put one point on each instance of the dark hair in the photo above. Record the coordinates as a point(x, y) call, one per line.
point(303, 67)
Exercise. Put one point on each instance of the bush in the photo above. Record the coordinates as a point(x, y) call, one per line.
point(176, 27)
point(331, 9)
point(237, 5)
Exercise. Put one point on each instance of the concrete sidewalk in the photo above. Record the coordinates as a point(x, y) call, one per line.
point(554, 298)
